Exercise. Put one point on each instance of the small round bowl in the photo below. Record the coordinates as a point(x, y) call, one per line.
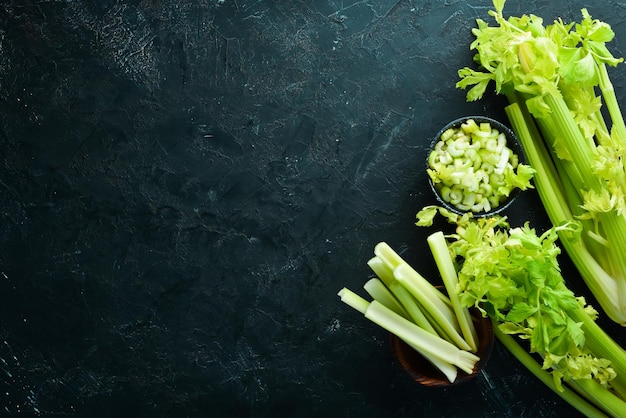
point(424, 373)
point(512, 142)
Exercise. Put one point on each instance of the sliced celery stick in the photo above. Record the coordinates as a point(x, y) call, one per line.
point(441, 254)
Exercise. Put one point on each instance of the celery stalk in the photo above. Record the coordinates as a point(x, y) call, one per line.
point(417, 337)
point(393, 260)
point(551, 192)
point(598, 395)
point(571, 397)
point(602, 345)
point(427, 343)
point(415, 311)
point(608, 92)
point(428, 297)
point(408, 303)
point(443, 260)
point(554, 71)
point(377, 290)
point(582, 155)
point(410, 279)
point(353, 300)
point(578, 147)
point(424, 303)
point(449, 371)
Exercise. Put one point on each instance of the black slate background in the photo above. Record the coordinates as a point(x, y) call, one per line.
point(184, 187)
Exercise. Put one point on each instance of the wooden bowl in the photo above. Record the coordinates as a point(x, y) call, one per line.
point(424, 373)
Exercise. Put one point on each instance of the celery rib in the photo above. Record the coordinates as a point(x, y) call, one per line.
point(441, 254)
point(569, 396)
point(403, 296)
point(416, 336)
point(598, 395)
point(410, 280)
point(433, 347)
point(394, 260)
point(551, 192)
point(450, 371)
point(377, 290)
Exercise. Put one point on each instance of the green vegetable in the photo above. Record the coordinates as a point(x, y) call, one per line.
point(551, 75)
point(513, 275)
point(567, 394)
point(378, 291)
point(407, 305)
point(429, 344)
point(439, 249)
point(473, 168)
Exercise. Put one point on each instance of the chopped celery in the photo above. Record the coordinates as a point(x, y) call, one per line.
point(473, 169)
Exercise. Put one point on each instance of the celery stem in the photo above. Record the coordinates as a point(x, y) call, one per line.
point(602, 345)
point(377, 290)
point(552, 194)
point(610, 99)
point(407, 302)
point(598, 395)
point(569, 396)
point(443, 260)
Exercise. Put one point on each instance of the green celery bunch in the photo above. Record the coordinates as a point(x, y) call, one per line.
point(556, 80)
point(513, 276)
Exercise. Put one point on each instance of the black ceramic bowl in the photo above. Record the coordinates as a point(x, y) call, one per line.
point(513, 144)
point(423, 372)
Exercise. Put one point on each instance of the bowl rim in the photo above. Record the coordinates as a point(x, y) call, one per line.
point(513, 143)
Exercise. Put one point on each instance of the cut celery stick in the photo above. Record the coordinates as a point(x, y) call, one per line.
point(428, 344)
point(383, 271)
point(357, 302)
point(405, 298)
point(417, 337)
point(353, 300)
point(441, 316)
point(427, 290)
point(378, 291)
point(441, 254)
point(410, 279)
point(413, 308)
point(449, 371)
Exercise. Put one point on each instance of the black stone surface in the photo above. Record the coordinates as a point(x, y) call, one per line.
point(184, 187)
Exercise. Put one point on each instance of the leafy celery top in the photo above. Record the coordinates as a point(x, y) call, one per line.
point(563, 60)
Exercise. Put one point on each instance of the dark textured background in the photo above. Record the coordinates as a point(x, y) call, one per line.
point(185, 185)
